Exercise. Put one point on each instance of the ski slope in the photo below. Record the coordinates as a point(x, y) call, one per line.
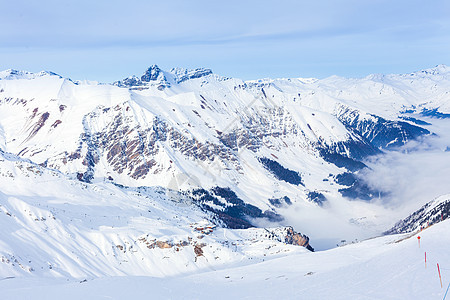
point(389, 267)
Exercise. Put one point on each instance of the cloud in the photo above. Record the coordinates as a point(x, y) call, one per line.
point(99, 23)
point(416, 174)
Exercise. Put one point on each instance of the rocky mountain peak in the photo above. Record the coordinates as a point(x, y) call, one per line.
point(153, 73)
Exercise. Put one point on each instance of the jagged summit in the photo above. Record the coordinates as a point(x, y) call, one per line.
point(154, 75)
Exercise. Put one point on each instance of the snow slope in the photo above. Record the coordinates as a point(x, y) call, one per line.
point(390, 267)
point(52, 226)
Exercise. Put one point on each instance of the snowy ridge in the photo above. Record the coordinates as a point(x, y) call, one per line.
point(162, 79)
point(431, 213)
point(15, 74)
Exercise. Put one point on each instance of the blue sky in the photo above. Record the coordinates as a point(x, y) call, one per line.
point(109, 40)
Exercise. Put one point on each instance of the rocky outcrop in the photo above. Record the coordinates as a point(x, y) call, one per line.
point(198, 250)
point(295, 238)
point(289, 236)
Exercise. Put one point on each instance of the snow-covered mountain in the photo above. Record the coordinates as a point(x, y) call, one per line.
point(182, 170)
point(250, 152)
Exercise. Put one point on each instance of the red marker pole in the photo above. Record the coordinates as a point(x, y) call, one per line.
point(439, 271)
point(418, 238)
point(425, 260)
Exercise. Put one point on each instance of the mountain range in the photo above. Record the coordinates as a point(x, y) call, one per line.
point(183, 170)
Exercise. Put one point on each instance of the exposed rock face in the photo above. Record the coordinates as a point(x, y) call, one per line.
point(153, 73)
point(153, 243)
point(294, 238)
point(198, 250)
point(163, 245)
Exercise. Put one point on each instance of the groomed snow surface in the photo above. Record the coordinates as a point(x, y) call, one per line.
point(389, 267)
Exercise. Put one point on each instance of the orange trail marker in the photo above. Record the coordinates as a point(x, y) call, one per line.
point(439, 271)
